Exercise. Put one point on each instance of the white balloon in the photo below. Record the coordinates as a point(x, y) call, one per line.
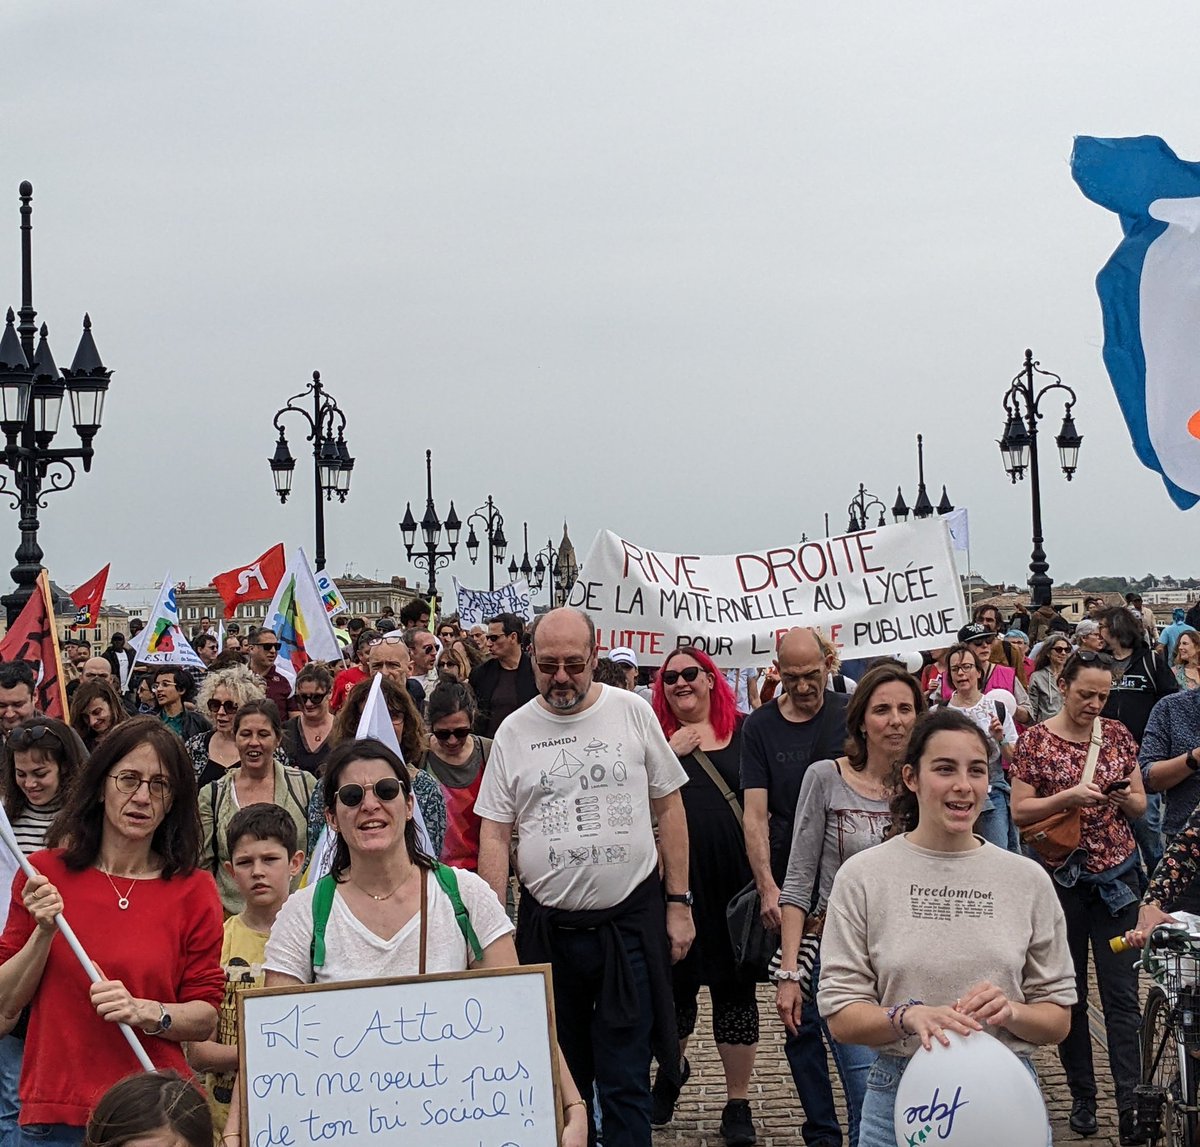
point(975, 1093)
point(913, 662)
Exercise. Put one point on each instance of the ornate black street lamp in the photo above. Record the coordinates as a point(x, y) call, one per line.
point(922, 508)
point(492, 523)
point(31, 393)
point(432, 559)
point(1018, 448)
point(860, 506)
point(332, 464)
point(524, 569)
point(562, 568)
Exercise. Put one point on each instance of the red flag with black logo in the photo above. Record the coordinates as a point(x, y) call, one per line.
point(88, 598)
point(254, 582)
point(32, 638)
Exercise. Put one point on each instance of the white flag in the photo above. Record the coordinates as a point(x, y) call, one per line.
point(960, 532)
point(162, 641)
point(298, 618)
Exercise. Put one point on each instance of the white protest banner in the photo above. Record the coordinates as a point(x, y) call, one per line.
point(476, 606)
point(874, 593)
point(453, 1060)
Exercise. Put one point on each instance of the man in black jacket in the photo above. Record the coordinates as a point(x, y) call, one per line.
point(504, 682)
point(1140, 678)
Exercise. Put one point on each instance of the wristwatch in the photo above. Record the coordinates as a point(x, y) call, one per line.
point(681, 898)
point(1191, 761)
point(164, 1021)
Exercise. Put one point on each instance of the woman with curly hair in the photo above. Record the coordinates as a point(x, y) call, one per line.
point(222, 693)
point(96, 710)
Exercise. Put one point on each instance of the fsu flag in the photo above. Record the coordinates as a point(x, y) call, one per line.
point(32, 638)
point(88, 599)
point(256, 582)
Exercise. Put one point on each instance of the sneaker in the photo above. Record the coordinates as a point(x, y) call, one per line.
point(1130, 1133)
point(737, 1128)
point(1083, 1117)
point(664, 1095)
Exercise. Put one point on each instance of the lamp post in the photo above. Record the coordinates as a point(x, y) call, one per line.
point(922, 508)
point(31, 393)
point(492, 523)
point(432, 559)
point(550, 560)
point(524, 569)
point(1019, 449)
point(860, 506)
point(332, 464)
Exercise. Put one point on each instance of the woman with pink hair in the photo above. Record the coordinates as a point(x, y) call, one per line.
point(698, 714)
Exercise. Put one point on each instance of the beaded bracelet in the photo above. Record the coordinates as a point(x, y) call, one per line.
point(895, 1015)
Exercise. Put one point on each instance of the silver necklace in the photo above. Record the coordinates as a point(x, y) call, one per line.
point(122, 901)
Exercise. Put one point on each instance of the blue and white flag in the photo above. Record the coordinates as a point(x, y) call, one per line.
point(1150, 298)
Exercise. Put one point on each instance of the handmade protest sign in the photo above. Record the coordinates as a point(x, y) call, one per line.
point(874, 593)
point(477, 606)
point(460, 1060)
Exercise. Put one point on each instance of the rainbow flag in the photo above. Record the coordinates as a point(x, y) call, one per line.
point(298, 617)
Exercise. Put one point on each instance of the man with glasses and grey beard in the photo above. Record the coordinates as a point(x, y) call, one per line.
point(582, 771)
point(264, 647)
point(504, 682)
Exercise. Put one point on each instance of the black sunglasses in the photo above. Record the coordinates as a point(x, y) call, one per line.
point(215, 706)
point(273, 646)
point(670, 676)
point(387, 789)
point(1092, 656)
point(310, 698)
point(459, 734)
point(24, 738)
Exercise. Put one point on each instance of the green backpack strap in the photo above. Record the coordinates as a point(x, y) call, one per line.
point(448, 879)
point(322, 906)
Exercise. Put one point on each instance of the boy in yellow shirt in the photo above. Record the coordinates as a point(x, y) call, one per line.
point(263, 861)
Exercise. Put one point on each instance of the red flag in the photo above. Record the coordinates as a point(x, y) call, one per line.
point(255, 582)
point(32, 638)
point(88, 598)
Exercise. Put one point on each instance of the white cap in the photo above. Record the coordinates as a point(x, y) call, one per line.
point(623, 655)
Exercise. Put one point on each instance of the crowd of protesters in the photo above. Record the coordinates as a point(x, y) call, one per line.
point(183, 807)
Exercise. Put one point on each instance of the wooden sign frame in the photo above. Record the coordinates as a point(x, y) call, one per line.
point(544, 970)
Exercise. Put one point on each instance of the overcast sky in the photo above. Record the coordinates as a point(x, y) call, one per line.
point(687, 272)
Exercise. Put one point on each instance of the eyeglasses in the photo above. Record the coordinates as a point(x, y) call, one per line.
point(459, 734)
point(670, 676)
point(131, 782)
point(387, 789)
point(572, 665)
point(215, 706)
point(386, 639)
point(310, 698)
point(270, 646)
point(24, 738)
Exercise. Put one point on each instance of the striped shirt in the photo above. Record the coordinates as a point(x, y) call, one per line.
point(30, 826)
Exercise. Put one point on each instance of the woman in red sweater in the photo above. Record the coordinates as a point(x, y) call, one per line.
point(150, 920)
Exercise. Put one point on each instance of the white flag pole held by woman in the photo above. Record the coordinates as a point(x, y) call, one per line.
point(6, 831)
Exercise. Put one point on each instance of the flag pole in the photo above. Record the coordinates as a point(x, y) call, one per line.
point(68, 934)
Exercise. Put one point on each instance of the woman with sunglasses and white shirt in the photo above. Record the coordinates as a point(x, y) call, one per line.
point(123, 854)
point(388, 902)
point(456, 758)
point(222, 693)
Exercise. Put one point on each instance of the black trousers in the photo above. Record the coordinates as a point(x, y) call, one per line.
point(1090, 923)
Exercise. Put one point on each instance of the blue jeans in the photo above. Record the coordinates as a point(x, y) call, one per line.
point(878, 1127)
point(806, 1057)
point(609, 1061)
point(854, 1063)
point(49, 1135)
point(1147, 831)
point(11, 1052)
point(995, 822)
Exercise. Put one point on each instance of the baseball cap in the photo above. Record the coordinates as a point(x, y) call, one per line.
point(974, 632)
point(623, 655)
